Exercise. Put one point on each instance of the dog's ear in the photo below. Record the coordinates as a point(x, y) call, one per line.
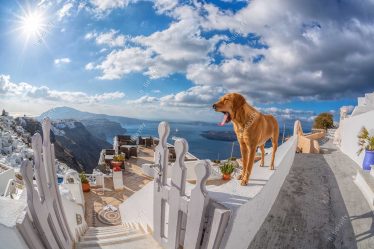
point(238, 101)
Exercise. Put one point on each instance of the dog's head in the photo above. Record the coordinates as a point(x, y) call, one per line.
point(228, 105)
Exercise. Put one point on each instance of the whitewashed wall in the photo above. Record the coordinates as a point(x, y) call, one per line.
point(73, 209)
point(349, 129)
point(10, 212)
point(138, 208)
point(248, 218)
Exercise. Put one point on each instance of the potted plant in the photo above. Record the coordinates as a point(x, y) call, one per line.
point(226, 169)
point(117, 162)
point(366, 142)
point(84, 181)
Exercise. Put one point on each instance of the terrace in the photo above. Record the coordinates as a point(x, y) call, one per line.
point(133, 180)
point(135, 176)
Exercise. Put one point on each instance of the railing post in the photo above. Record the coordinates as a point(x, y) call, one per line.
point(180, 206)
point(161, 156)
point(197, 206)
point(177, 191)
point(45, 205)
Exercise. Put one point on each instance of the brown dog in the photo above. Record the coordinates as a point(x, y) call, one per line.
point(252, 129)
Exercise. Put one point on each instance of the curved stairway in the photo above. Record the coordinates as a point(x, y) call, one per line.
point(125, 236)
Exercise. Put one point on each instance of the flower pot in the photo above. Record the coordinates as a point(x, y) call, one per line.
point(368, 160)
point(117, 164)
point(117, 168)
point(86, 187)
point(226, 177)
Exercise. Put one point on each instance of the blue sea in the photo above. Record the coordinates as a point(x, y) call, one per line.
point(200, 146)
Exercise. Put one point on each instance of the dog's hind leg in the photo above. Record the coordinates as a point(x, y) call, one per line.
point(262, 148)
point(244, 152)
point(274, 141)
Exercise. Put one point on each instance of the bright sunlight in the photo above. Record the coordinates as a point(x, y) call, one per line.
point(32, 24)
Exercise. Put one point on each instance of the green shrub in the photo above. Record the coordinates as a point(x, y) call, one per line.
point(83, 177)
point(119, 158)
point(227, 168)
point(365, 141)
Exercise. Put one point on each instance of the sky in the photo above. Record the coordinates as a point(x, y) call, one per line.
point(168, 59)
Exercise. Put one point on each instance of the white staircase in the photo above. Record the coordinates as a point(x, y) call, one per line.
point(126, 236)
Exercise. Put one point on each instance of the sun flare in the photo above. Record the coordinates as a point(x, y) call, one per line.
point(32, 24)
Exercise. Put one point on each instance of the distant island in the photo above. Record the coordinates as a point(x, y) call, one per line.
point(228, 136)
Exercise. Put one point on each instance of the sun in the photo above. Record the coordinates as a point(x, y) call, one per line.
point(32, 24)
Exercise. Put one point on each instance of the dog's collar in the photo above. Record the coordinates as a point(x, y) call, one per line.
point(252, 118)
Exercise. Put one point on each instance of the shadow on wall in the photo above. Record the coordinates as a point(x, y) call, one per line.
point(367, 234)
point(309, 211)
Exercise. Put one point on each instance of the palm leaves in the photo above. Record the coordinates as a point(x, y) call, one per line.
point(365, 141)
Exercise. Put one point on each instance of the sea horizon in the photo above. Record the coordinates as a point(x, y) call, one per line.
point(202, 147)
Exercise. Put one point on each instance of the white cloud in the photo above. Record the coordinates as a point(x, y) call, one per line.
point(90, 35)
point(144, 100)
point(161, 53)
point(62, 61)
point(102, 7)
point(163, 6)
point(65, 10)
point(110, 38)
point(27, 91)
point(90, 66)
point(197, 96)
point(232, 50)
point(81, 6)
point(301, 58)
point(122, 62)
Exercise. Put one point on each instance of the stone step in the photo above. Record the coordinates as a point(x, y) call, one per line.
point(107, 227)
point(108, 235)
point(110, 228)
point(146, 242)
point(93, 233)
point(118, 241)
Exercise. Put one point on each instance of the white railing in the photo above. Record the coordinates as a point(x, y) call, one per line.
point(177, 218)
point(173, 210)
point(44, 202)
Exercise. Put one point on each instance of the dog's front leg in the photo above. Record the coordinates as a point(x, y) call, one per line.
point(244, 152)
point(247, 174)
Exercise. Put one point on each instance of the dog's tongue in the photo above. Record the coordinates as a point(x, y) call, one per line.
point(224, 119)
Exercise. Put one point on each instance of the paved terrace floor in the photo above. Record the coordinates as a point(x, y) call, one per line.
point(133, 181)
point(319, 207)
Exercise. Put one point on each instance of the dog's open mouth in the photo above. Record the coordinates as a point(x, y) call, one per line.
point(226, 118)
